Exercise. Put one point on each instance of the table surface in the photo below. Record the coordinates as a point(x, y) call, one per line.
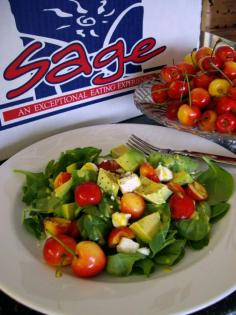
point(227, 306)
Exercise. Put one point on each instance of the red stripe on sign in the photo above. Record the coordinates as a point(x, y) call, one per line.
point(31, 109)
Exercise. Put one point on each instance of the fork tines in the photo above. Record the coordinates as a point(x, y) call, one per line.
point(141, 145)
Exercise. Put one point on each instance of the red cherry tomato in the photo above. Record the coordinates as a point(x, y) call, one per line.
point(159, 93)
point(88, 193)
point(133, 204)
point(89, 261)
point(182, 206)
point(226, 123)
point(109, 165)
point(61, 178)
point(55, 254)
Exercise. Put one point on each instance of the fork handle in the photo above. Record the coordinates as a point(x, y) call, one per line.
point(214, 157)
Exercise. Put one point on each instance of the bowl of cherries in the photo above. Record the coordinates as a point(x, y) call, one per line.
point(197, 95)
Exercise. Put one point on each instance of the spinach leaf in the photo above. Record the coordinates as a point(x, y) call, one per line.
point(80, 176)
point(218, 211)
point(145, 266)
point(121, 264)
point(200, 244)
point(159, 239)
point(218, 182)
point(78, 155)
point(196, 228)
point(171, 254)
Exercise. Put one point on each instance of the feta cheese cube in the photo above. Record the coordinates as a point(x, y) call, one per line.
point(164, 173)
point(129, 183)
point(120, 219)
point(126, 245)
point(144, 250)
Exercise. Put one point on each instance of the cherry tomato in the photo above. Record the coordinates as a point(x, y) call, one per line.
point(188, 115)
point(109, 165)
point(200, 97)
point(133, 204)
point(147, 170)
point(226, 123)
point(61, 178)
point(88, 193)
point(207, 120)
point(177, 89)
point(55, 254)
point(196, 191)
point(89, 260)
point(159, 93)
point(182, 206)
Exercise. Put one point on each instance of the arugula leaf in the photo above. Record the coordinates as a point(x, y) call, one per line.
point(36, 186)
point(33, 222)
point(171, 254)
point(218, 182)
point(121, 264)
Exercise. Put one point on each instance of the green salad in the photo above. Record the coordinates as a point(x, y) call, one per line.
point(124, 213)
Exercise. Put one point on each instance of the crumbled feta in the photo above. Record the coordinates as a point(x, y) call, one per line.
point(120, 219)
point(164, 173)
point(144, 250)
point(126, 245)
point(129, 183)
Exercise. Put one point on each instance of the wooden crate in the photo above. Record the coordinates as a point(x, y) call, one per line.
point(219, 17)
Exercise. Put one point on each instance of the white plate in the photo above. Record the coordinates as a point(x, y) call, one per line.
point(200, 279)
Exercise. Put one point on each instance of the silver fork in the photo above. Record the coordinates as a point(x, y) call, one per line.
point(141, 145)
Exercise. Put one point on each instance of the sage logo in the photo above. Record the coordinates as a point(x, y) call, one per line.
point(65, 31)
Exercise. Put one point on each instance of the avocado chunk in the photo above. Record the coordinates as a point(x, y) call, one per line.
point(130, 160)
point(62, 190)
point(108, 182)
point(70, 168)
point(119, 150)
point(68, 210)
point(154, 192)
point(146, 227)
point(182, 178)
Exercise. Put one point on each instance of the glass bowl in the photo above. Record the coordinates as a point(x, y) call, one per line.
point(157, 112)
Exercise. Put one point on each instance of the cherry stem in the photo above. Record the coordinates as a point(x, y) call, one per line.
point(189, 94)
point(222, 73)
point(194, 63)
point(214, 47)
point(62, 244)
